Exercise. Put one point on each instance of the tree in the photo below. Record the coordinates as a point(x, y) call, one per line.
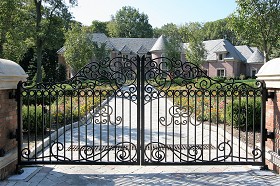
point(100, 52)
point(219, 29)
point(168, 30)
point(128, 22)
point(195, 52)
point(79, 47)
point(15, 28)
point(257, 22)
point(98, 27)
point(45, 12)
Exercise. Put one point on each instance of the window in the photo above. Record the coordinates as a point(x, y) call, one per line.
point(124, 57)
point(253, 72)
point(221, 73)
point(221, 57)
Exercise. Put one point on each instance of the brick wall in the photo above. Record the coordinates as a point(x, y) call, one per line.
point(273, 125)
point(8, 120)
point(8, 123)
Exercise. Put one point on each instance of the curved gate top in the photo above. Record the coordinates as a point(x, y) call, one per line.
point(141, 111)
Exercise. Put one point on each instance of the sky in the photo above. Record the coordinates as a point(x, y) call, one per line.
point(160, 12)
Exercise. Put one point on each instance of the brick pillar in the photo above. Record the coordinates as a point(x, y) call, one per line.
point(270, 74)
point(8, 125)
point(272, 125)
point(10, 74)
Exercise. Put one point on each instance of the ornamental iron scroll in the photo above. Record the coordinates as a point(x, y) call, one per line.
point(144, 82)
point(187, 75)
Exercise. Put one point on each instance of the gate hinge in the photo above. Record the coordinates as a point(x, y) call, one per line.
point(269, 135)
point(12, 94)
point(270, 95)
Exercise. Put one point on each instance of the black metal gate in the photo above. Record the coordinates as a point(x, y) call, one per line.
point(141, 111)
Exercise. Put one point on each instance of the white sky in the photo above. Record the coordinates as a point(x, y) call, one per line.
point(160, 12)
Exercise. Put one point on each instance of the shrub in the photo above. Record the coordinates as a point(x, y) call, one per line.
point(32, 120)
point(242, 77)
point(237, 113)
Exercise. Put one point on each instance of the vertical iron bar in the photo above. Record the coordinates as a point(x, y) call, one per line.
point(181, 92)
point(263, 120)
point(210, 121)
point(28, 119)
point(217, 122)
point(36, 120)
point(20, 124)
point(151, 123)
point(225, 125)
point(254, 129)
point(239, 125)
point(115, 134)
point(173, 125)
point(139, 115)
point(166, 94)
point(130, 130)
point(202, 122)
point(232, 104)
point(188, 124)
point(56, 119)
point(246, 115)
point(142, 89)
point(93, 120)
point(195, 118)
point(100, 124)
point(86, 117)
point(43, 125)
point(79, 119)
point(108, 127)
point(71, 115)
point(64, 129)
point(158, 97)
point(50, 122)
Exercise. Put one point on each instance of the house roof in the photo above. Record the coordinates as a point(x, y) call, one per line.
point(256, 57)
point(134, 44)
point(213, 47)
point(242, 53)
point(160, 44)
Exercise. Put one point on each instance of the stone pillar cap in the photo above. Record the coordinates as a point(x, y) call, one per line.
point(270, 73)
point(10, 74)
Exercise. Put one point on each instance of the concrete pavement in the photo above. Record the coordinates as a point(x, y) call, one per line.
point(88, 175)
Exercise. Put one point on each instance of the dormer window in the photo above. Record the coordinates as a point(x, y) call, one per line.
point(220, 57)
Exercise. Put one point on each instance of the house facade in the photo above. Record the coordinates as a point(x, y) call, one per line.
point(222, 58)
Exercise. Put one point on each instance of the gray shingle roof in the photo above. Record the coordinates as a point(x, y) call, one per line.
point(160, 44)
point(256, 57)
point(213, 47)
point(134, 44)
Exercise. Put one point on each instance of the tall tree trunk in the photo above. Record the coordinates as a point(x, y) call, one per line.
point(39, 40)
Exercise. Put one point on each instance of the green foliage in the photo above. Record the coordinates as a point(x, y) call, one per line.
point(100, 51)
point(130, 23)
point(14, 40)
point(217, 30)
point(244, 111)
point(32, 118)
point(196, 52)
point(257, 22)
point(98, 27)
point(79, 47)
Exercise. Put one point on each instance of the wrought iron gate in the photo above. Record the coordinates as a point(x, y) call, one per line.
point(141, 111)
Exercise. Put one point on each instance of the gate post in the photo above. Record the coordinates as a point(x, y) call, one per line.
point(270, 74)
point(10, 74)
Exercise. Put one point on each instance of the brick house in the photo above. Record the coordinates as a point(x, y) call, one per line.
point(222, 58)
